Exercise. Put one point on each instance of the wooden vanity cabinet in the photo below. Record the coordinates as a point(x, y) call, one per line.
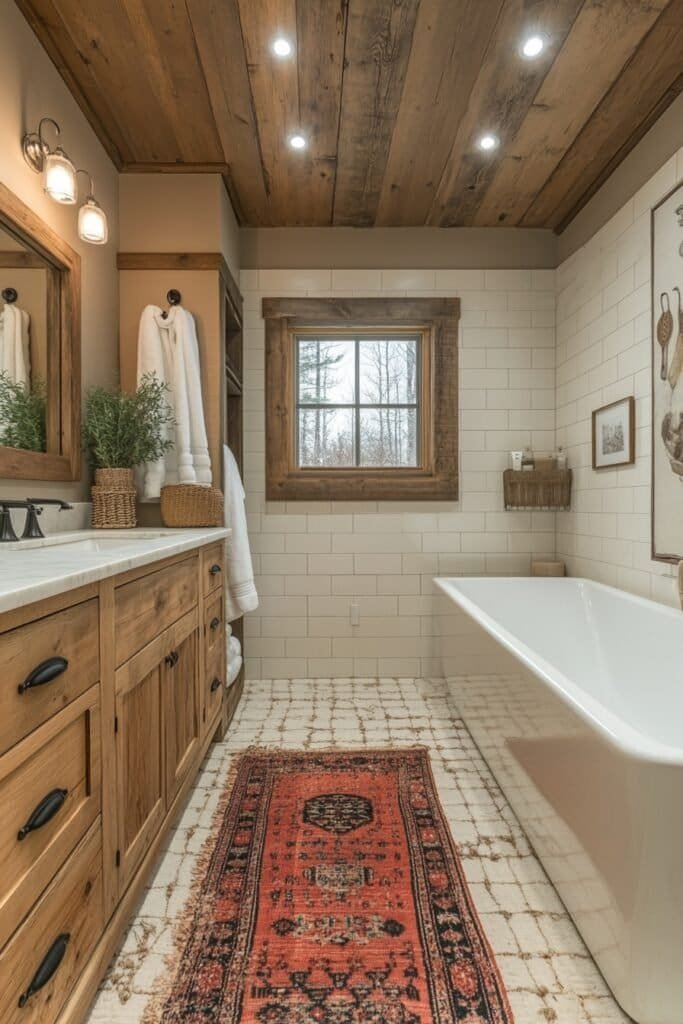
point(116, 736)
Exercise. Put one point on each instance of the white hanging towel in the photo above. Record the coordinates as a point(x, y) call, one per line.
point(15, 359)
point(168, 347)
point(241, 593)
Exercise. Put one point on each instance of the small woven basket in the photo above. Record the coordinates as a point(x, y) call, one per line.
point(113, 499)
point(529, 489)
point(191, 505)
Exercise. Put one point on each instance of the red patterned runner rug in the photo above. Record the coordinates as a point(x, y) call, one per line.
point(332, 894)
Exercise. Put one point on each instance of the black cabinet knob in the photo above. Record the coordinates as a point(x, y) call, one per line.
point(215, 569)
point(215, 683)
point(215, 623)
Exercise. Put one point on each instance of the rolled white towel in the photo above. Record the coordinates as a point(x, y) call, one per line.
point(234, 648)
point(233, 671)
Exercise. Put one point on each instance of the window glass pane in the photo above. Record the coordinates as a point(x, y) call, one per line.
point(388, 371)
point(388, 437)
point(326, 369)
point(326, 437)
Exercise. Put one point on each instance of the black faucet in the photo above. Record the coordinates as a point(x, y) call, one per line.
point(33, 508)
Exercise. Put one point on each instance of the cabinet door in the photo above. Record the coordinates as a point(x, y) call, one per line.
point(181, 702)
point(141, 798)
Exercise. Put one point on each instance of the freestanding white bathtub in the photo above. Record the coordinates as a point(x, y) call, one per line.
point(573, 692)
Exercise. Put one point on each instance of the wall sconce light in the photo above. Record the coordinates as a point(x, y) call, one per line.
point(59, 173)
point(92, 220)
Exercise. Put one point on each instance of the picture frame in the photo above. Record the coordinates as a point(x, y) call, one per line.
point(614, 434)
point(666, 253)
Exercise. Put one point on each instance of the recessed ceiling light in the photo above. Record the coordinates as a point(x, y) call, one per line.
point(533, 46)
point(488, 142)
point(297, 141)
point(282, 47)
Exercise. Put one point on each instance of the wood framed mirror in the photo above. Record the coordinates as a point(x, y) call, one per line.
point(40, 348)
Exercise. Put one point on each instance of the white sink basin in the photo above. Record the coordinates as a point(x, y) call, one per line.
point(92, 541)
point(103, 544)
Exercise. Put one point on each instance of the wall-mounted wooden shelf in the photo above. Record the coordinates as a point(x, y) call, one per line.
point(537, 489)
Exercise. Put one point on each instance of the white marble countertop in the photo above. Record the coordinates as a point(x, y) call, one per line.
point(33, 570)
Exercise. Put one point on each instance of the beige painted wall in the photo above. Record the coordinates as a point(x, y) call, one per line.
point(394, 248)
point(32, 88)
point(178, 213)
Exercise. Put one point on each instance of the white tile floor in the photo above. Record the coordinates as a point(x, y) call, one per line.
point(548, 972)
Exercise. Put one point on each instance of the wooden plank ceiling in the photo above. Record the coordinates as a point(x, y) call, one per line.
point(391, 95)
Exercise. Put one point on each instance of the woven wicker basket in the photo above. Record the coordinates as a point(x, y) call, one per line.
point(529, 489)
point(191, 505)
point(113, 499)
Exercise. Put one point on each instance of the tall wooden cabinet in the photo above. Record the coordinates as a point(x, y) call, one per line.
point(210, 292)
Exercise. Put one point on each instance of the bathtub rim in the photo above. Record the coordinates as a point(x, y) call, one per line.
point(628, 740)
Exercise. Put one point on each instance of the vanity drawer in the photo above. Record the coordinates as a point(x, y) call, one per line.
point(49, 797)
point(213, 567)
point(56, 939)
point(144, 607)
point(72, 635)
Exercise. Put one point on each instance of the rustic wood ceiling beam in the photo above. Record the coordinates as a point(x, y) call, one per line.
point(449, 44)
point(378, 41)
point(602, 39)
point(650, 81)
point(502, 96)
point(78, 75)
point(220, 45)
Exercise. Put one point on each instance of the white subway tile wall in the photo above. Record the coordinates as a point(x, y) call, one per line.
point(314, 560)
point(604, 354)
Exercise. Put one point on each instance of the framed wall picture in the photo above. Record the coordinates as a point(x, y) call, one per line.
point(667, 377)
point(614, 434)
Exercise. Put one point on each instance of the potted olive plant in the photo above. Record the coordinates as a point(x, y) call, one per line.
point(121, 431)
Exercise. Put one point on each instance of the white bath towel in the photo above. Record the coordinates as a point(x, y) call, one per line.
point(241, 593)
point(15, 359)
point(233, 671)
point(168, 348)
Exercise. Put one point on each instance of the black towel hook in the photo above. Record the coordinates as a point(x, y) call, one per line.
point(174, 298)
point(10, 295)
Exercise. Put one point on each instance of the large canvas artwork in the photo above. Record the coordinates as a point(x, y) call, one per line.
point(667, 377)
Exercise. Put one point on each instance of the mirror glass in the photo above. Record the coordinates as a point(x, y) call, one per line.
point(26, 278)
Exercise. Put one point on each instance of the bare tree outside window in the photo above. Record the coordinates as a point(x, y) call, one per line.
point(357, 401)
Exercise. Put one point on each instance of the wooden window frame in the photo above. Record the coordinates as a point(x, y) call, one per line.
point(436, 478)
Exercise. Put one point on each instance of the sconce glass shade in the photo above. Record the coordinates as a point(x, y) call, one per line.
point(92, 223)
point(60, 177)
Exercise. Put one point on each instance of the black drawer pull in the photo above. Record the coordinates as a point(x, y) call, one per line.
point(172, 659)
point(53, 959)
point(215, 684)
point(46, 809)
point(215, 569)
point(215, 623)
point(44, 673)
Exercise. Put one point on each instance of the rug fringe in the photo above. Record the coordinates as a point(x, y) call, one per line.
point(182, 926)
